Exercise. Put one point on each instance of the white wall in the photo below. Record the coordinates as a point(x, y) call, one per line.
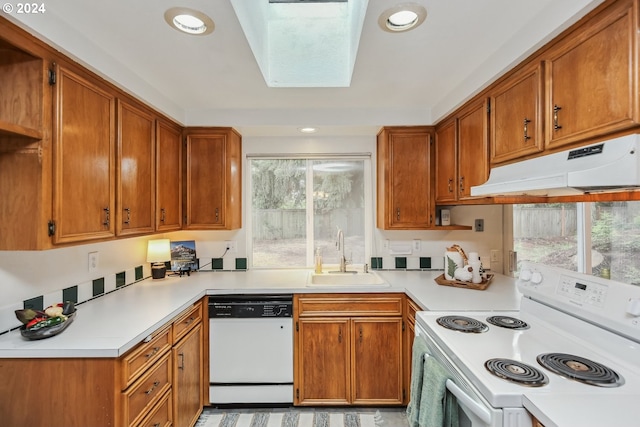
point(25, 274)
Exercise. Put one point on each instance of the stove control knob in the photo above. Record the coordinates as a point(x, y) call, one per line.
point(536, 278)
point(633, 307)
point(525, 275)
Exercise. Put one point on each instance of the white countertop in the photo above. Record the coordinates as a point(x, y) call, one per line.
point(111, 325)
point(583, 410)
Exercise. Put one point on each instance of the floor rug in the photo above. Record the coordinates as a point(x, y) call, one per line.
point(289, 419)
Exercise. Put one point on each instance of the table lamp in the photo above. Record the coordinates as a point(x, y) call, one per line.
point(158, 251)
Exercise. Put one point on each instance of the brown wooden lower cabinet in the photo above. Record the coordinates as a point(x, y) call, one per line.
point(157, 383)
point(348, 349)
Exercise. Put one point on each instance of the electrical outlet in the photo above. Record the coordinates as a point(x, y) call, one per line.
point(230, 246)
point(93, 262)
point(416, 245)
point(495, 255)
point(385, 243)
point(479, 225)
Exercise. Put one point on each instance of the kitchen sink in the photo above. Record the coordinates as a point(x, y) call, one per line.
point(335, 278)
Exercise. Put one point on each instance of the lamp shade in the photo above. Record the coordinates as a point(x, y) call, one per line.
point(158, 251)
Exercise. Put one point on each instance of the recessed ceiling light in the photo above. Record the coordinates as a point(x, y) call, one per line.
point(403, 17)
point(308, 130)
point(189, 21)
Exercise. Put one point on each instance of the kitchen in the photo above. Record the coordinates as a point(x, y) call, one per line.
point(61, 268)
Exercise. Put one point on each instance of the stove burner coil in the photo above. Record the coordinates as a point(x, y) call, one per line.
point(580, 369)
point(508, 322)
point(462, 324)
point(517, 372)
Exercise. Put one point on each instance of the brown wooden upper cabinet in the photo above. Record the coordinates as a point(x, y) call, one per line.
point(25, 149)
point(592, 77)
point(213, 179)
point(446, 162)
point(168, 176)
point(516, 115)
point(404, 178)
point(83, 159)
point(462, 153)
point(135, 179)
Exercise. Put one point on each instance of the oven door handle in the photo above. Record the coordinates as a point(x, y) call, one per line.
point(480, 411)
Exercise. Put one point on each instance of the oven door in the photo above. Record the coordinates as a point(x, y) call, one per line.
point(473, 409)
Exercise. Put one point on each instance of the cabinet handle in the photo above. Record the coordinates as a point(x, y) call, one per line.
point(128, 216)
point(217, 214)
point(462, 184)
point(339, 335)
point(107, 217)
point(450, 184)
point(189, 320)
point(155, 350)
point(181, 362)
point(156, 425)
point(526, 129)
point(153, 387)
point(398, 214)
point(360, 334)
point(162, 214)
point(556, 125)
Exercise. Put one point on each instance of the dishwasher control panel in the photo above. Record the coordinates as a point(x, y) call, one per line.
point(250, 306)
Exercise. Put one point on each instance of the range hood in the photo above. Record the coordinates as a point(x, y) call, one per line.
point(606, 166)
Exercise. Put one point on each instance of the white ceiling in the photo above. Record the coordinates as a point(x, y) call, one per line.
point(408, 78)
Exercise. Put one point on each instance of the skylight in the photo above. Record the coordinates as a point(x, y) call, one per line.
point(303, 44)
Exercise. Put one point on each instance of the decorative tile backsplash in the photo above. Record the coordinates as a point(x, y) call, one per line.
point(76, 293)
point(407, 263)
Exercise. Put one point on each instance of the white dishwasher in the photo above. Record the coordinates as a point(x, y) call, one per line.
point(250, 349)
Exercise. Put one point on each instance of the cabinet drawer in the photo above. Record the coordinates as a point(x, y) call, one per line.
point(412, 308)
point(147, 391)
point(161, 415)
point(349, 305)
point(144, 355)
point(186, 322)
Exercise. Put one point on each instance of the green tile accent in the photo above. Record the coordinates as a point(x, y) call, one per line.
point(376, 263)
point(401, 262)
point(241, 263)
point(120, 279)
point(217, 264)
point(139, 273)
point(98, 286)
point(425, 262)
point(36, 303)
point(70, 294)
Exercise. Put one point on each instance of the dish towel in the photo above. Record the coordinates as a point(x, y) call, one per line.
point(417, 375)
point(430, 403)
point(438, 407)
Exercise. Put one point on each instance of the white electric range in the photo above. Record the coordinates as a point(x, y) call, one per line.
point(587, 326)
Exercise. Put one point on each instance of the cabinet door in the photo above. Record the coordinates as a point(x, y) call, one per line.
point(406, 158)
point(516, 116)
point(377, 361)
point(322, 362)
point(205, 181)
point(473, 149)
point(168, 177)
point(446, 163)
point(135, 178)
point(592, 78)
point(188, 378)
point(84, 153)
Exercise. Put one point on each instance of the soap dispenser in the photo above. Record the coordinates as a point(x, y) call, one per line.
point(318, 261)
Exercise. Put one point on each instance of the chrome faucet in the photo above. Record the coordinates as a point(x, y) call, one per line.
point(340, 247)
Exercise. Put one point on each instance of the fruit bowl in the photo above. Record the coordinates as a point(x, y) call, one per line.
point(49, 331)
point(38, 324)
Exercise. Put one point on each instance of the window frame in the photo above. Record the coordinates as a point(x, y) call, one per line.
point(310, 238)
